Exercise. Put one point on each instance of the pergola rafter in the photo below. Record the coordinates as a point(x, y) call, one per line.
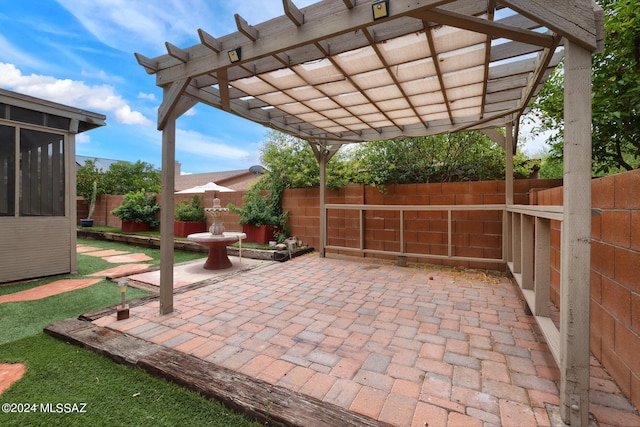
point(331, 74)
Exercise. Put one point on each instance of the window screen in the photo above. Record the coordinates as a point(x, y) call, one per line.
point(7, 170)
point(41, 174)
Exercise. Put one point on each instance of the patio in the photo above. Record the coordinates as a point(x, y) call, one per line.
point(406, 346)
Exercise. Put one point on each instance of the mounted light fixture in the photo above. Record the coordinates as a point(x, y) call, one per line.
point(380, 9)
point(235, 54)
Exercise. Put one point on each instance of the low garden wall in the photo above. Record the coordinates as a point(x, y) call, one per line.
point(474, 234)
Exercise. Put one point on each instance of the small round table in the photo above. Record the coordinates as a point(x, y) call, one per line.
point(217, 244)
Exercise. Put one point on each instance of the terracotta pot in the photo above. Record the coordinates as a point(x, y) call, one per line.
point(261, 234)
point(184, 228)
point(132, 226)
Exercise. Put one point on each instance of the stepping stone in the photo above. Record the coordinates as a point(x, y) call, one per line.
point(119, 259)
point(82, 249)
point(122, 270)
point(10, 373)
point(45, 291)
point(106, 253)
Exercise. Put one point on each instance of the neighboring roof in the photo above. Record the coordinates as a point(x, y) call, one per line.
point(53, 115)
point(238, 180)
point(100, 163)
point(332, 74)
point(209, 186)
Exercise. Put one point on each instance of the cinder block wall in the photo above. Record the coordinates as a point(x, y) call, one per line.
point(615, 275)
point(474, 234)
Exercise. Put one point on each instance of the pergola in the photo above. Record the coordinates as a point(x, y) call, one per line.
point(348, 71)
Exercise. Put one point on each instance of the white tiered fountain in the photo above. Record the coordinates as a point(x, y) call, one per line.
point(216, 239)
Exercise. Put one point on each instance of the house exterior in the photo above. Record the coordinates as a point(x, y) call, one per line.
point(38, 185)
point(238, 180)
point(101, 164)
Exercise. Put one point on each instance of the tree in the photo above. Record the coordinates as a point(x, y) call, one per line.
point(121, 178)
point(615, 94)
point(86, 175)
point(124, 177)
point(469, 156)
point(290, 162)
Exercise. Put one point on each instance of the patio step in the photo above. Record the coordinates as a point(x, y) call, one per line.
point(186, 245)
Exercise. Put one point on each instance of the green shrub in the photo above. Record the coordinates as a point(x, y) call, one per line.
point(190, 210)
point(138, 206)
point(258, 209)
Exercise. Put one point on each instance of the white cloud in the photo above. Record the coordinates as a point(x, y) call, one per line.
point(102, 98)
point(143, 26)
point(83, 138)
point(205, 146)
point(148, 96)
point(13, 54)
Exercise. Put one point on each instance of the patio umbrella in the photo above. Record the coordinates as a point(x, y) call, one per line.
point(210, 186)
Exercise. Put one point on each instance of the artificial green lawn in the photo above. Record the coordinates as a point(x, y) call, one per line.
point(22, 319)
point(59, 373)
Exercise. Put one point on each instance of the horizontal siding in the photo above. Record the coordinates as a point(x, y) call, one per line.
point(34, 247)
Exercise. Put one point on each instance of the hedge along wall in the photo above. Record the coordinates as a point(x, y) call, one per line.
point(106, 203)
point(474, 234)
point(615, 275)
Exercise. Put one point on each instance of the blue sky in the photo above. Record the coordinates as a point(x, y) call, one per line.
point(81, 53)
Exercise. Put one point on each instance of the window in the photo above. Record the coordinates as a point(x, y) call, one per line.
point(7, 170)
point(41, 174)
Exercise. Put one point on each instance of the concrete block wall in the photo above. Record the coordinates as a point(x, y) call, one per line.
point(474, 234)
point(615, 275)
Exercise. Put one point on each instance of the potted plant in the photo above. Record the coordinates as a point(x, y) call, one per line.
point(138, 211)
point(189, 217)
point(88, 221)
point(261, 216)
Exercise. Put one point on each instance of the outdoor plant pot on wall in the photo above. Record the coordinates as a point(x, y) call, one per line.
point(132, 226)
point(138, 211)
point(261, 234)
point(189, 217)
point(184, 228)
point(86, 222)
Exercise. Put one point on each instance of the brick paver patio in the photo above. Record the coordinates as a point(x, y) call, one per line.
point(403, 345)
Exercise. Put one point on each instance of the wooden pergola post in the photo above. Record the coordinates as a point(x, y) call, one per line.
point(576, 238)
point(508, 217)
point(166, 215)
point(173, 106)
point(322, 162)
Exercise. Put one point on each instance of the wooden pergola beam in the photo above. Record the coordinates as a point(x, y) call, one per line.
point(326, 27)
point(149, 65)
point(245, 28)
point(176, 52)
point(293, 13)
point(569, 18)
point(209, 41)
point(171, 98)
point(485, 26)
